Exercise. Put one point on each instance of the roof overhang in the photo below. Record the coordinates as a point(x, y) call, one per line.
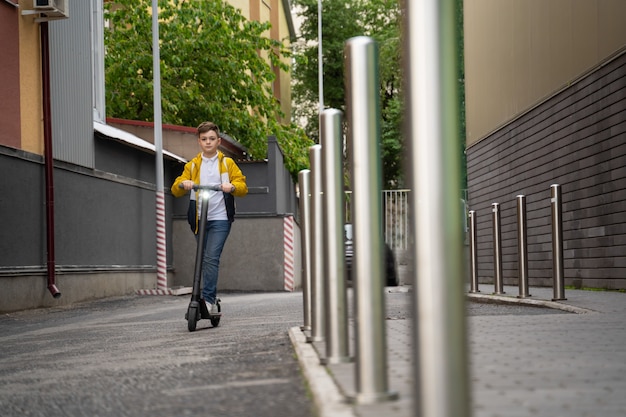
point(130, 139)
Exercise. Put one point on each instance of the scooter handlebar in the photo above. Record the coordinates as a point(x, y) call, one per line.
point(196, 187)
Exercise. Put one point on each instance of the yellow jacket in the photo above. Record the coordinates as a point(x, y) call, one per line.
point(192, 172)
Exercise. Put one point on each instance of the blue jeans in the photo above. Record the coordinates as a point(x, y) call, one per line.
point(214, 239)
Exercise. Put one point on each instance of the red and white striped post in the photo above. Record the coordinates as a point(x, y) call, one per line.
point(288, 249)
point(161, 242)
point(158, 145)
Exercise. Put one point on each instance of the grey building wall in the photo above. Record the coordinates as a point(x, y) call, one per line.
point(105, 226)
point(271, 188)
point(575, 138)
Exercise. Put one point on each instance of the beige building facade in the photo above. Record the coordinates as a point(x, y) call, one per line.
point(520, 52)
point(278, 13)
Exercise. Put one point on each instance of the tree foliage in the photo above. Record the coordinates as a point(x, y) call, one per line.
point(215, 65)
point(342, 20)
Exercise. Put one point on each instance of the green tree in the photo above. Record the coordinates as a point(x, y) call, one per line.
point(336, 30)
point(215, 65)
point(341, 20)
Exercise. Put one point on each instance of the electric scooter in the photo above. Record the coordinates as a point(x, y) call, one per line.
point(197, 307)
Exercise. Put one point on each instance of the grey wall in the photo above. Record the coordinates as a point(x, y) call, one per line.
point(252, 260)
point(104, 225)
point(101, 218)
point(576, 138)
point(271, 188)
point(22, 214)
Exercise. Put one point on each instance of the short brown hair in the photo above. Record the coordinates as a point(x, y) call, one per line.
point(207, 126)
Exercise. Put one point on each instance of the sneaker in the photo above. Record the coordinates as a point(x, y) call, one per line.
point(213, 309)
point(208, 306)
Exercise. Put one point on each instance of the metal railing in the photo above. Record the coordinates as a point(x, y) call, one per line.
point(396, 213)
point(396, 219)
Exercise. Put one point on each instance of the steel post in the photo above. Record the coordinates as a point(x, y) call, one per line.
point(363, 115)
point(434, 173)
point(331, 139)
point(522, 247)
point(497, 249)
point(317, 247)
point(304, 182)
point(473, 252)
point(557, 243)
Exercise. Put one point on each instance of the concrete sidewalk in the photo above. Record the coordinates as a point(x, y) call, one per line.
point(571, 364)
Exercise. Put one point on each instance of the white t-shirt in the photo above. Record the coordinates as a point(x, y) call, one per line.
point(210, 175)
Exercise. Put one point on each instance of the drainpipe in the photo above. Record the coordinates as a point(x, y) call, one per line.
point(48, 160)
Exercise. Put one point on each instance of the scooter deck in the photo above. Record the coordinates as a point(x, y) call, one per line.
point(204, 311)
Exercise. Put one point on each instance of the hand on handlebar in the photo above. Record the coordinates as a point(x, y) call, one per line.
point(186, 185)
point(190, 185)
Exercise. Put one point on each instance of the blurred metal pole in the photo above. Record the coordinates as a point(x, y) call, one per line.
point(557, 243)
point(363, 114)
point(331, 139)
point(161, 229)
point(317, 246)
point(473, 252)
point(497, 249)
point(434, 172)
point(522, 247)
point(320, 58)
point(304, 181)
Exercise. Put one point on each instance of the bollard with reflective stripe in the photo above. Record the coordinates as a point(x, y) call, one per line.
point(363, 115)
point(557, 243)
point(497, 249)
point(434, 173)
point(317, 247)
point(522, 247)
point(473, 253)
point(304, 178)
point(331, 139)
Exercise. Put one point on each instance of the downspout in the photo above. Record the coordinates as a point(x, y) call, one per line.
point(48, 160)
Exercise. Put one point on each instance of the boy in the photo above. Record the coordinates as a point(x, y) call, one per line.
point(211, 167)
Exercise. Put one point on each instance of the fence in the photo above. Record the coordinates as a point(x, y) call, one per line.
point(396, 221)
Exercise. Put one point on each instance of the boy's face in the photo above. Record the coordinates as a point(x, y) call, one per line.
point(209, 141)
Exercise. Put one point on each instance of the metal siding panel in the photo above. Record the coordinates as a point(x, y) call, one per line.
point(71, 86)
point(575, 138)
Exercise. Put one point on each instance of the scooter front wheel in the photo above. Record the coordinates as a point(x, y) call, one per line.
point(192, 318)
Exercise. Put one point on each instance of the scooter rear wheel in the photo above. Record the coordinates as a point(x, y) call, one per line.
point(192, 318)
point(215, 320)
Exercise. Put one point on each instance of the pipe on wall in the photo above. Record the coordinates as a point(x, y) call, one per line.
point(48, 159)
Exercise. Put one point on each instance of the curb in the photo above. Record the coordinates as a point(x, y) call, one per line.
point(326, 394)
point(528, 301)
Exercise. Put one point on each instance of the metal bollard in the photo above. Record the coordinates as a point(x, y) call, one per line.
point(304, 181)
point(363, 114)
point(497, 250)
point(331, 139)
point(439, 328)
point(317, 247)
point(557, 243)
point(473, 252)
point(522, 247)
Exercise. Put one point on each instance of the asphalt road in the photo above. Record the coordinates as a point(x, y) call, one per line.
point(134, 356)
